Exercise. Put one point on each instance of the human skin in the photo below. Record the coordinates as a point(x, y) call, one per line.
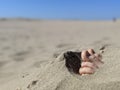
point(90, 62)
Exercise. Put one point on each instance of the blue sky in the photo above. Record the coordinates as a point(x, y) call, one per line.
point(60, 9)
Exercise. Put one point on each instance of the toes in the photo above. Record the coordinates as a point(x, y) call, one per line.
point(86, 70)
point(85, 55)
point(96, 58)
point(99, 58)
point(89, 64)
point(91, 51)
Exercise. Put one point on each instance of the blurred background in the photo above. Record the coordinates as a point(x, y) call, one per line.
point(60, 9)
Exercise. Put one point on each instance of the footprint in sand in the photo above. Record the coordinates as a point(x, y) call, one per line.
point(6, 48)
point(103, 47)
point(20, 56)
point(33, 83)
point(62, 47)
point(2, 63)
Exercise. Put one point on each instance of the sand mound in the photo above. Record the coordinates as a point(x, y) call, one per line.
point(55, 76)
point(31, 54)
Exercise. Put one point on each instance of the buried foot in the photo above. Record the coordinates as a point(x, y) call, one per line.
point(85, 62)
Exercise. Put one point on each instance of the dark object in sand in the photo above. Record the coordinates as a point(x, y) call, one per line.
point(73, 61)
point(114, 19)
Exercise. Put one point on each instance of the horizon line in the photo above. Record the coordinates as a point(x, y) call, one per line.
point(73, 19)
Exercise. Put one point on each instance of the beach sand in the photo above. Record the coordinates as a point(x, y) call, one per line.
point(31, 54)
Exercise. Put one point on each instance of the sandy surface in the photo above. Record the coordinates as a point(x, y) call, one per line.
point(31, 54)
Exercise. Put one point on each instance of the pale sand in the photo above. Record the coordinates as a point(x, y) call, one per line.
point(30, 54)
